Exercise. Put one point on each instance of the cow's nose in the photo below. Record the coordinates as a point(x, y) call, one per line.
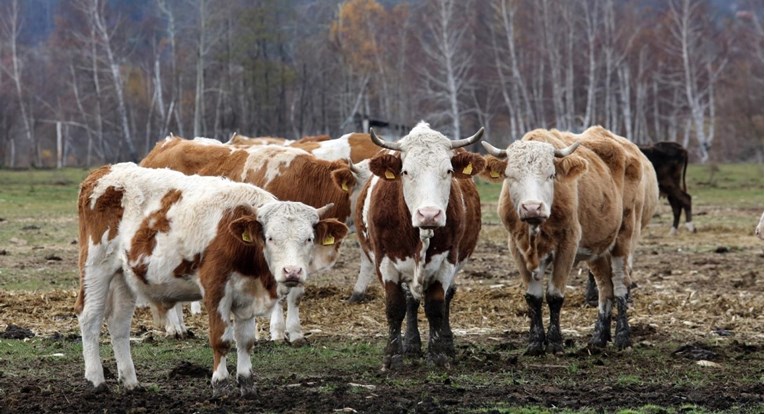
point(428, 214)
point(292, 274)
point(531, 211)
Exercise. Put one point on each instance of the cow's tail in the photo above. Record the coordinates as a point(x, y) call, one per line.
point(685, 166)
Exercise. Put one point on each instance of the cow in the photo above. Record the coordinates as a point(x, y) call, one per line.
point(418, 221)
point(359, 148)
point(570, 197)
point(165, 237)
point(670, 160)
point(287, 173)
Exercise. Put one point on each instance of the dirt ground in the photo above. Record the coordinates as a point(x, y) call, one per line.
point(699, 297)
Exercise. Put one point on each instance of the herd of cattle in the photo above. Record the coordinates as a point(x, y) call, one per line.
point(241, 225)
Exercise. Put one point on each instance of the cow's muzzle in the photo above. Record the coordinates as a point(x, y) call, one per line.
point(429, 218)
point(532, 212)
point(292, 275)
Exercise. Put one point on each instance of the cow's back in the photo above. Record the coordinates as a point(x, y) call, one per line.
point(195, 157)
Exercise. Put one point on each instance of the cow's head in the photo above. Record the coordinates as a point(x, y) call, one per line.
point(350, 178)
point(426, 162)
point(529, 170)
point(293, 237)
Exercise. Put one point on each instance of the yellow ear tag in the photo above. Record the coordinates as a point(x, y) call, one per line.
point(345, 187)
point(246, 237)
point(494, 174)
point(469, 169)
point(389, 175)
point(329, 240)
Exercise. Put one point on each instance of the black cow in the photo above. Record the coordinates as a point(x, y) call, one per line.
point(670, 160)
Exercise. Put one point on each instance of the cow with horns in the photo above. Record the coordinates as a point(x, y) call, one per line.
point(418, 220)
point(560, 206)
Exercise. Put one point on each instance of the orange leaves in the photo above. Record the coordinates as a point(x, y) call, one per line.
point(357, 32)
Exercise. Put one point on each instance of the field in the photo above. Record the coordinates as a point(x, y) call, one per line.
point(696, 318)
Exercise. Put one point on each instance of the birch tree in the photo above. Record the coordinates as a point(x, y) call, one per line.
point(700, 70)
point(11, 26)
point(448, 73)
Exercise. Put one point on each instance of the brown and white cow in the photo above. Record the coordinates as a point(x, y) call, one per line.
point(238, 139)
point(758, 230)
point(287, 173)
point(670, 160)
point(359, 148)
point(165, 237)
point(561, 206)
point(418, 221)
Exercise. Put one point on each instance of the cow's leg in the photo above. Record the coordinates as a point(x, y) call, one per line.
point(294, 330)
point(435, 311)
point(676, 205)
point(533, 296)
point(277, 322)
point(174, 326)
point(244, 335)
point(446, 332)
point(620, 299)
point(94, 292)
point(412, 342)
point(365, 277)
point(220, 342)
point(685, 199)
point(121, 305)
point(601, 269)
point(395, 310)
point(591, 292)
point(196, 307)
point(563, 261)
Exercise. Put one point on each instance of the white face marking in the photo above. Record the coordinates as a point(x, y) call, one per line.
point(426, 174)
point(368, 202)
point(288, 229)
point(530, 176)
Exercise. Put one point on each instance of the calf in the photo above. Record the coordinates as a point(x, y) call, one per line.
point(561, 206)
point(670, 160)
point(166, 237)
point(418, 221)
point(287, 173)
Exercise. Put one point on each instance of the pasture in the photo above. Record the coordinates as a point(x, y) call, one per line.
point(699, 297)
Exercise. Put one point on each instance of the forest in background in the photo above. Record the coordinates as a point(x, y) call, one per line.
point(86, 82)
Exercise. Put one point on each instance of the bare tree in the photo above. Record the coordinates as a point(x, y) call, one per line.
point(95, 12)
point(700, 69)
point(11, 26)
point(449, 74)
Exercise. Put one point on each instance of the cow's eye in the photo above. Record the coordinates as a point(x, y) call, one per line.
point(405, 172)
point(309, 240)
point(270, 239)
point(552, 177)
point(450, 172)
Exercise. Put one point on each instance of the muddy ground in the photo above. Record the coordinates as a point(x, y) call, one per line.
point(699, 297)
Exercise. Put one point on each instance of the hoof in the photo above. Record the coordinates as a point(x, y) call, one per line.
point(357, 297)
point(555, 348)
point(622, 341)
point(597, 343)
point(439, 360)
point(393, 362)
point(299, 342)
point(535, 349)
point(221, 388)
point(246, 386)
point(101, 388)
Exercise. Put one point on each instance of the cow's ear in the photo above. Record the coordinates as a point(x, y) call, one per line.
point(386, 166)
point(570, 167)
point(330, 232)
point(467, 164)
point(495, 169)
point(247, 230)
point(343, 178)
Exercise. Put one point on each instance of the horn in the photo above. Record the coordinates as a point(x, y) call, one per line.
point(492, 150)
point(566, 151)
point(323, 210)
point(380, 143)
point(354, 169)
point(458, 143)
